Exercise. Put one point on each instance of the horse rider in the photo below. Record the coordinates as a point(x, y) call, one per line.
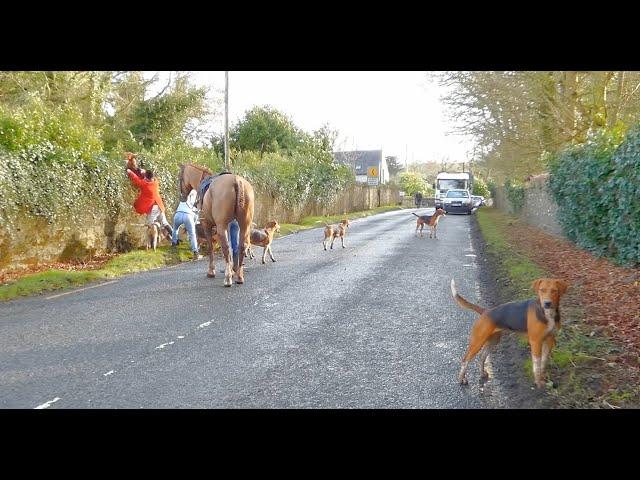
point(149, 202)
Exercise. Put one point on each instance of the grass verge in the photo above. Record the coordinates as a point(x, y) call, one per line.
point(578, 364)
point(131, 262)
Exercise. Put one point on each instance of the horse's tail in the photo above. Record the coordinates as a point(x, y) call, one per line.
point(240, 195)
point(181, 182)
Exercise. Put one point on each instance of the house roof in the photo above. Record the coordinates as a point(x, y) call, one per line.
point(360, 160)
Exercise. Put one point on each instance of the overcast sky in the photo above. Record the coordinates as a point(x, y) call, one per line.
point(399, 112)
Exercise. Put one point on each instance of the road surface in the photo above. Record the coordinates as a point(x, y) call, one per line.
point(369, 326)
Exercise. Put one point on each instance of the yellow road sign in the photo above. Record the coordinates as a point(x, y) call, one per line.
point(372, 172)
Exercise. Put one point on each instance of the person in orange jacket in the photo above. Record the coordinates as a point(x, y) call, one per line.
point(149, 202)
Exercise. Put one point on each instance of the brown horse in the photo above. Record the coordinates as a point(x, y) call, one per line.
point(190, 178)
point(229, 197)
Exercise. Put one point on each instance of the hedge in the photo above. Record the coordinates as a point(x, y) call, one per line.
point(597, 188)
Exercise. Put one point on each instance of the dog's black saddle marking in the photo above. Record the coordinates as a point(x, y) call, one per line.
point(513, 315)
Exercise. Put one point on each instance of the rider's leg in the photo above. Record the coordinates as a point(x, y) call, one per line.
point(234, 234)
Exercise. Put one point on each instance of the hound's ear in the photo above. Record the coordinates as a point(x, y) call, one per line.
point(563, 287)
point(536, 284)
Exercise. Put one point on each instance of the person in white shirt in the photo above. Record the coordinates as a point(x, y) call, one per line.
point(186, 215)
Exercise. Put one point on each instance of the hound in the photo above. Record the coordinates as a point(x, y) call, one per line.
point(331, 232)
point(538, 318)
point(429, 220)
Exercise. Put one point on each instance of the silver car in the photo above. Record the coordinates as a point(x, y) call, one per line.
point(458, 201)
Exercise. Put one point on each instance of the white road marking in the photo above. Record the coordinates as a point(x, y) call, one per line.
point(47, 404)
point(160, 347)
point(468, 265)
point(110, 372)
point(469, 255)
point(205, 324)
point(80, 290)
point(180, 336)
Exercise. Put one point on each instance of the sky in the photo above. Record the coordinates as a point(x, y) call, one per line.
point(398, 112)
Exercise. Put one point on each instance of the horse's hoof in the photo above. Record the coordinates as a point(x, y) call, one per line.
point(211, 275)
point(227, 284)
point(239, 282)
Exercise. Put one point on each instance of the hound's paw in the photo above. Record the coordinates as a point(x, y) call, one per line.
point(463, 381)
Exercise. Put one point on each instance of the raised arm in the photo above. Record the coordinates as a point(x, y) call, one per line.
point(134, 178)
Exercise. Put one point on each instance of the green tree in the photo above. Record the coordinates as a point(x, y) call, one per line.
point(412, 183)
point(265, 129)
point(519, 119)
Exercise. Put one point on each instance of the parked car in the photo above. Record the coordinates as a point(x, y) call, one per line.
point(458, 201)
point(477, 201)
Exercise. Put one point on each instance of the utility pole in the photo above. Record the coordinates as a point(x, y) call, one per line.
point(227, 167)
point(406, 156)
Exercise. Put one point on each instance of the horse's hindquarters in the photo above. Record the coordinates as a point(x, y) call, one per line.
point(230, 197)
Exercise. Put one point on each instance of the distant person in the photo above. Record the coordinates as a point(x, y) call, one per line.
point(186, 215)
point(418, 199)
point(149, 202)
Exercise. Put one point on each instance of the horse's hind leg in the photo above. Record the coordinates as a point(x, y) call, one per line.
point(223, 237)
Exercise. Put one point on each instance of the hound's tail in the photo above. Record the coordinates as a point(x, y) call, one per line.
point(415, 214)
point(463, 302)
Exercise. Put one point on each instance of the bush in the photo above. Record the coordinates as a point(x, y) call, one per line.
point(293, 179)
point(480, 188)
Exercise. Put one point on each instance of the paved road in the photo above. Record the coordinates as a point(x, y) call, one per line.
point(372, 325)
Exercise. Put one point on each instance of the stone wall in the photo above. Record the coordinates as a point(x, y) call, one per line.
point(539, 207)
point(35, 241)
